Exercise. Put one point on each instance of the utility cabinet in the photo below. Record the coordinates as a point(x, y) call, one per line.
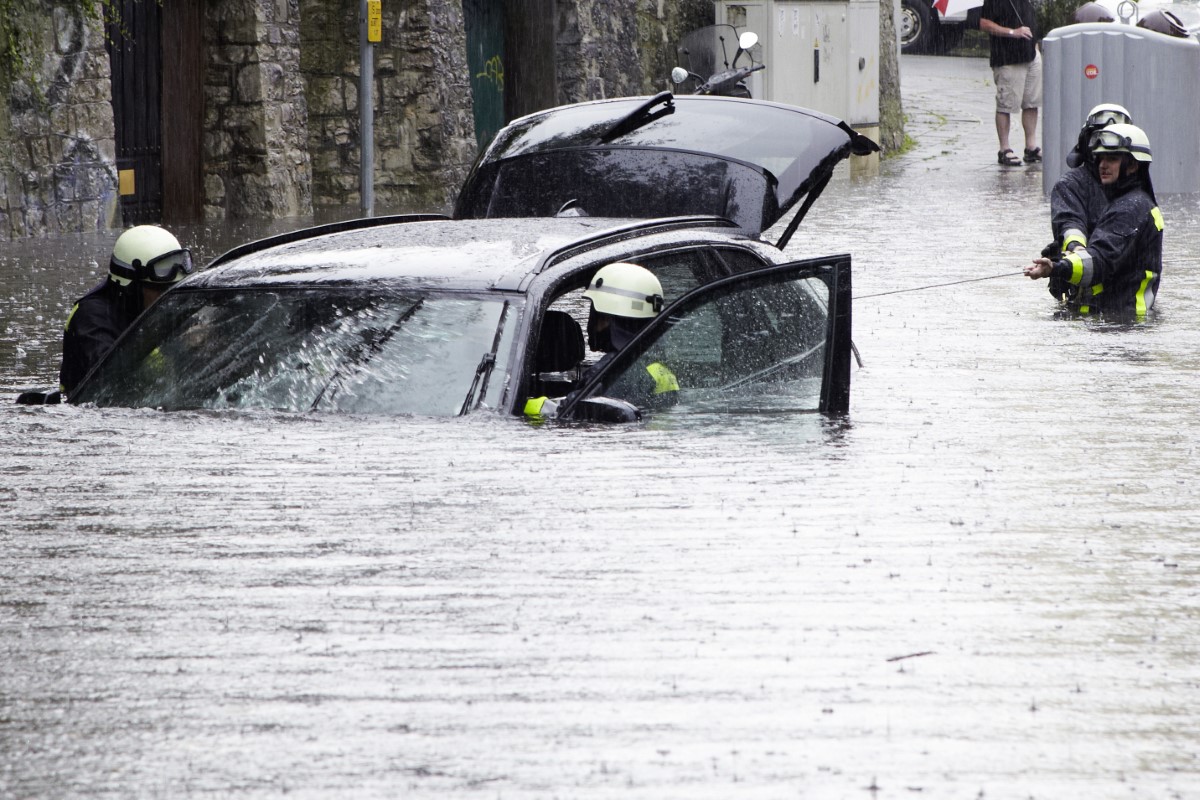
point(1155, 76)
point(822, 55)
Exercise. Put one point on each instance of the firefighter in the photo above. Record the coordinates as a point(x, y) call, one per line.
point(624, 298)
point(146, 261)
point(1120, 268)
point(1077, 199)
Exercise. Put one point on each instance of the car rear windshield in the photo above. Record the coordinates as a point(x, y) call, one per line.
point(310, 349)
point(625, 182)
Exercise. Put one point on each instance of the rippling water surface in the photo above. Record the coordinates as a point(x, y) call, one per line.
point(983, 583)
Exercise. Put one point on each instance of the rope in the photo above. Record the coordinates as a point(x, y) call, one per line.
point(938, 285)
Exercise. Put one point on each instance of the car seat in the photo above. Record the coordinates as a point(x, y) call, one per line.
point(560, 350)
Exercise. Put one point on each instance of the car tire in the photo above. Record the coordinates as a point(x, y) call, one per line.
point(917, 31)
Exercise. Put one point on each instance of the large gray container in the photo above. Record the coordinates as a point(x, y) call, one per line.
point(1155, 76)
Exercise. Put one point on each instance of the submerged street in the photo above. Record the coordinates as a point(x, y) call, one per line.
point(982, 583)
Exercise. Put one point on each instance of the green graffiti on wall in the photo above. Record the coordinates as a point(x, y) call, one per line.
point(493, 72)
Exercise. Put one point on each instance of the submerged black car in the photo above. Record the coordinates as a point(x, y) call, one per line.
point(439, 316)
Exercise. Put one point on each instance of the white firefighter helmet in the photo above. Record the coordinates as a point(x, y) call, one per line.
point(625, 290)
point(149, 254)
point(1108, 114)
point(1122, 138)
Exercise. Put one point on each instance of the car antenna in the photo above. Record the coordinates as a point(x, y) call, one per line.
point(640, 116)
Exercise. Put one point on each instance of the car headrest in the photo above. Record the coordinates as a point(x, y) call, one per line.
point(560, 347)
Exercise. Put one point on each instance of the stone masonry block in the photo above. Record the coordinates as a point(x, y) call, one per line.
point(249, 84)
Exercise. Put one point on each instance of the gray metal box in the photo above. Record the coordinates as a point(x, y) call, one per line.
point(1155, 76)
point(819, 54)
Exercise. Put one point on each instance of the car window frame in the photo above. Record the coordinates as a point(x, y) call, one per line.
point(835, 381)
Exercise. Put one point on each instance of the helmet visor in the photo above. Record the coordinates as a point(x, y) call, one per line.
point(168, 268)
point(1106, 117)
point(1107, 141)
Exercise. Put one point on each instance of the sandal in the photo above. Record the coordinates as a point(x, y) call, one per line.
point(1008, 159)
point(1033, 156)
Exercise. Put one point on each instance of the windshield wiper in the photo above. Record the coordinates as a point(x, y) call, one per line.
point(640, 117)
point(483, 370)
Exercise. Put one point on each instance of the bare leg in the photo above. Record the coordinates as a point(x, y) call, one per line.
point(1029, 120)
point(1003, 123)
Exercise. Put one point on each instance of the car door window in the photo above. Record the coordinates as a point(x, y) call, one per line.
point(757, 341)
point(679, 272)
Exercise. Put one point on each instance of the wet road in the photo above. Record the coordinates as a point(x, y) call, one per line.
point(983, 584)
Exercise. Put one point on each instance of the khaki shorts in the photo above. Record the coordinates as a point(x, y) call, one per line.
point(1019, 86)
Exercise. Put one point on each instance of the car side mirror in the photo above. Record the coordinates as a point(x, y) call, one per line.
point(604, 409)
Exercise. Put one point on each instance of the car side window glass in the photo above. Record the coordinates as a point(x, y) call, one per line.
point(753, 346)
point(679, 272)
point(734, 260)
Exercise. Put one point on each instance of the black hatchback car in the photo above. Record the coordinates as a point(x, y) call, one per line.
point(442, 316)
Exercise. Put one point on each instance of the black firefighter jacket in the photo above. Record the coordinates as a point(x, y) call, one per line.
point(1120, 269)
point(95, 322)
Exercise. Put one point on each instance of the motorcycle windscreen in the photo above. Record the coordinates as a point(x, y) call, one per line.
point(712, 49)
point(625, 182)
point(794, 149)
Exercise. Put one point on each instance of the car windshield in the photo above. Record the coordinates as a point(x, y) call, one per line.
point(396, 352)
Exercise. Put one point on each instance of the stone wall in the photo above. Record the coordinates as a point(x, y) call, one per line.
point(57, 150)
point(616, 48)
point(256, 158)
point(424, 130)
point(281, 104)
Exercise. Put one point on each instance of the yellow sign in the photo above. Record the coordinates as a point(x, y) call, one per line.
point(126, 184)
point(374, 20)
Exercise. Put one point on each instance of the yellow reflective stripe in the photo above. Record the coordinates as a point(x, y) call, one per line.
point(70, 316)
point(664, 379)
point(1140, 296)
point(1156, 215)
point(1084, 309)
point(533, 406)
point(1071, 237)
point(155, 359)
point(1097, 289)
point(1076, 264)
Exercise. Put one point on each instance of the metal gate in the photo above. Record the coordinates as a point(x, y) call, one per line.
point(484, 22)
point(134, 52)
point(159, 155)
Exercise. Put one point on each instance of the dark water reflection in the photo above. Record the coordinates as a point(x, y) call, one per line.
point(983, 582)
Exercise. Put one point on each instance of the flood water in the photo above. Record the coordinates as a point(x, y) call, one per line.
point(981, 584)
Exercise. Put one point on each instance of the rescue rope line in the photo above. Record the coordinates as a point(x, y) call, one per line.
point(938, 285)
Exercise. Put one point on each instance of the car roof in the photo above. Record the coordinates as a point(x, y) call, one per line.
point(461, 255)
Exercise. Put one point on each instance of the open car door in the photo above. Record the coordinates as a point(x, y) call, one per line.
point(774, 339)
point(746, 160)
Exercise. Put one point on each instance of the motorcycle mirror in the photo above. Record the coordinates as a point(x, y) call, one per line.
point(747, 40)
point(679, 75)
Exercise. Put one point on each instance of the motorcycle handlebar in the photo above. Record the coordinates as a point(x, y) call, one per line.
point(724, 80)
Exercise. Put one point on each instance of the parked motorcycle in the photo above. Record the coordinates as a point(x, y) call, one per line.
point(706, 52)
